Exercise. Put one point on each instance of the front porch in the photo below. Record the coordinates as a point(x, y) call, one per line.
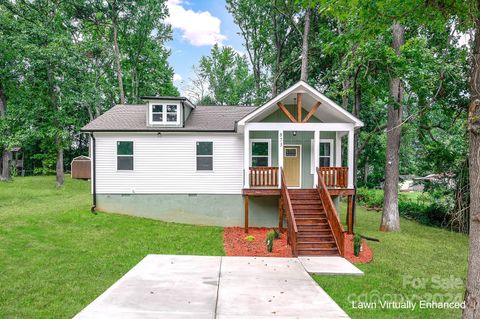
point(298, 149)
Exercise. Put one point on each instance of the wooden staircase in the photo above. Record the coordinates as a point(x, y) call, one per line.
point(315, 236)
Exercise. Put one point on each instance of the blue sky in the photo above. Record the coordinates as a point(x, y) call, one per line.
point(197, 26)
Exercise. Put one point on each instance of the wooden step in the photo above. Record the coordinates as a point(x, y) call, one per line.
point(311, 220)
point(316, 244)
point(307, 206)
point(303, 191)
point(314, 238)
point(307, 215)
point(318, 252)
point(313, 227)
point(300, 211)
point(306, 201)
point(304, 196)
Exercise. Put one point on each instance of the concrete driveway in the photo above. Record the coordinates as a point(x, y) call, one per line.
point(171, 286)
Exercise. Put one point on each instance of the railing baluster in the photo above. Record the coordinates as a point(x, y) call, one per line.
point(263, 176)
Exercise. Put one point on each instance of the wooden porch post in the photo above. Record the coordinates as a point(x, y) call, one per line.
point(246, 213)
point(350, 214)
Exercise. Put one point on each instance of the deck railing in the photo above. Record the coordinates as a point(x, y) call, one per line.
point(292, 229)
point(331, 212)
point(263, 176)
point(335, 176)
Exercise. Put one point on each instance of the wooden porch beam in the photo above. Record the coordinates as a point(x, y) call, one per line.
point(312, 111)
point(246, 213)
point(286, 112)
point(350, 214)
point(299, 107)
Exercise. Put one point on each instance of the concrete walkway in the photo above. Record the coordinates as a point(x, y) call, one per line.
point(171, 286)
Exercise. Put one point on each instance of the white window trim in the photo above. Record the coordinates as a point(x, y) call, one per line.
point(312, 160)
point(116, 157)
point(203, 171)
point(164, 113)
point(261, 140)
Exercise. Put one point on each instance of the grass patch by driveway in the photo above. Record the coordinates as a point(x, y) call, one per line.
point(435, 258)
point(56, 257)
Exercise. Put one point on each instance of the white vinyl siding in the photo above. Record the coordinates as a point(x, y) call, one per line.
point(166, 164)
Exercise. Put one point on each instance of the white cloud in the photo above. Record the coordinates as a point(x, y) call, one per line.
point(198, 27)
point(177, 77)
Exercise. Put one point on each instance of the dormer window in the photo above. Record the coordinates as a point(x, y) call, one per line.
point(157, 113)
point(172, 113)
point(165, 113)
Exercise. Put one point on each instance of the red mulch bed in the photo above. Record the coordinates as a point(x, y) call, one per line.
point(366, 254)
point(235, 243)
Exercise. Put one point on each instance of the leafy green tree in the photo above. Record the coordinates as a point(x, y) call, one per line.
point(228, 77)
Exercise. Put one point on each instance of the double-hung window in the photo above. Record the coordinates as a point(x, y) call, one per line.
point(204, 156)
point(260, 153)
point(125, 156)
point(326, 154)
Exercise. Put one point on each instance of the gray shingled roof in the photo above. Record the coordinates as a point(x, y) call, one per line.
point(202, 118)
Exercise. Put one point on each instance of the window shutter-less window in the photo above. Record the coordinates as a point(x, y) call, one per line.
point(125, 155)
point(204, 156)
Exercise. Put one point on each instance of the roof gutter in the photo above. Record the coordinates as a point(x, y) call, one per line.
point(155, 131)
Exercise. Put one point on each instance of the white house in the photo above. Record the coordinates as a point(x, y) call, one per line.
point(222, 165)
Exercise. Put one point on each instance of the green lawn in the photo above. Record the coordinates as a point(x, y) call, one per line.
point(56, 257)
point(435, 258)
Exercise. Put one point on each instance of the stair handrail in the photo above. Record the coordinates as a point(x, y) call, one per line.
point(292, 230)
point(331, 212)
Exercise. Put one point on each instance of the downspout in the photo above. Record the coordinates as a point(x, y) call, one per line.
point(94, 175)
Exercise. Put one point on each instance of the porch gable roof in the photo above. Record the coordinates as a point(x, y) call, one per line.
point(328, 109)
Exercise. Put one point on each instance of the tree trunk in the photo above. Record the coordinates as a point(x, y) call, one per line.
point(60, 176)
point(5, 173)
point(117, 60)
point(391, 216)
point(472, 293)
point(306, 31)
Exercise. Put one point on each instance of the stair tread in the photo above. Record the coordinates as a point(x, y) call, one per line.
point(319, 248)
point(317, 242)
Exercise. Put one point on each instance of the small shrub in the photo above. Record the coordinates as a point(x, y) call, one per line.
point(277, 235)
point(270, 239)
point(370, 197)
point(250, 238)
point(357, 244)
